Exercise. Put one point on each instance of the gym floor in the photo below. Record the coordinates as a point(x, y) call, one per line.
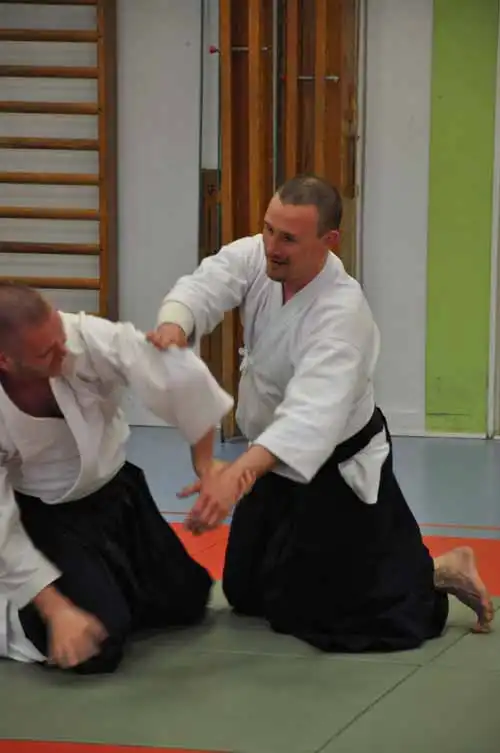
point(234, 686)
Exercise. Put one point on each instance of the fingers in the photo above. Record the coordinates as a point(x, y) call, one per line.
point(214, 503)
point(70, 653)
point(160, 341)
point(247, 481)
point(188, 491)
point(97, 629)
point(205, 515)
point(166, 336)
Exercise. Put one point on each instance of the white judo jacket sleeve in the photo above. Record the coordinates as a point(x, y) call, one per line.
point(24, 571)
point(198, 301)
point(175, 385)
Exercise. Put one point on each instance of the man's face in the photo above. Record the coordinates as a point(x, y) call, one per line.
point(37, 351)
point(293, 249)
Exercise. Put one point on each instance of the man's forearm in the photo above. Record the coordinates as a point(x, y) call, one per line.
point(256, 459)
point(202, 453)
point(48, 601)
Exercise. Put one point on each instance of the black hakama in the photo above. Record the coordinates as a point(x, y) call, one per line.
point(319, 564)
point(120, 560)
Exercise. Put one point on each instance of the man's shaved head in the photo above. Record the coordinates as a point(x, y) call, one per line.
point(20, 306)
point(32, 335)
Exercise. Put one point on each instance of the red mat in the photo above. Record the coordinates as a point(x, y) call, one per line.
point(487, 555)
point(209, 550)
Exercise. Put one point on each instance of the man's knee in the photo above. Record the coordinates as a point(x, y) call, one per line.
point(242, 594)
point(110, 652)
point(106, 661)
point(184, 608)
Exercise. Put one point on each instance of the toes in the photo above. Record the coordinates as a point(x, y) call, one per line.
point(481, 628)
point(485, 617)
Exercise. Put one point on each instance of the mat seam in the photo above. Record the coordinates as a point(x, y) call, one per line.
point(371, 706)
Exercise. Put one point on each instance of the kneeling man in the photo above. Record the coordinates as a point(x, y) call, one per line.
point(86, 559)
point(325, 546)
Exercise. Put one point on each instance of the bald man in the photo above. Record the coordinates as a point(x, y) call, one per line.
point(86, 559)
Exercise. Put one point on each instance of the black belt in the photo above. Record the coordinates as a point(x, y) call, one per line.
point(350, 447)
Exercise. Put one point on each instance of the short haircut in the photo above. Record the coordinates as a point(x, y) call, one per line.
point(20, 306)
point(311, 190)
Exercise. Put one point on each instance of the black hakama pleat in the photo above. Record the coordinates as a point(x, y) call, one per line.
point(327, 568)
point(120, 560)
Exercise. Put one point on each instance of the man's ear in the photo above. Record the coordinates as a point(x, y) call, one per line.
point(332, 238)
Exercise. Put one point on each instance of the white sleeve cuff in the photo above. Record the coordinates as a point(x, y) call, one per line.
point(174, 312)
point(43, 577)
point(295, 458)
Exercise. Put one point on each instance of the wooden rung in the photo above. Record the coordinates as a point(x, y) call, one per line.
point(48, 35)
point(46, 213)
point(76, 249)
point(48, 71)
point(53, 108)
point(50, 179)
point(56, 283)
point(28, 142)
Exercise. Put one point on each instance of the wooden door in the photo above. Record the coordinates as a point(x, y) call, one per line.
point(288, 93)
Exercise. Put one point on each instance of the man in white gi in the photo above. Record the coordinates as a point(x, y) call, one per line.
point(86, 559)
point(324, 546)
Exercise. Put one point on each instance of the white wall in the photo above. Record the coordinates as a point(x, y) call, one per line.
point(159, 94)
point(159, 91)
point(394, 222)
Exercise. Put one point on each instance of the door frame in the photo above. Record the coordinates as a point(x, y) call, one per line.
point(229, 367)
point(493, 405)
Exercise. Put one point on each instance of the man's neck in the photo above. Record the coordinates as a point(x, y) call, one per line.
point(23, 382)
point(295, 286)
point(32, 395)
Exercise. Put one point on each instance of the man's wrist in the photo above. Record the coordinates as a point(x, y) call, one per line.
point(49, 601)
point(256, 460)
point(202, 466)
point(202, 453)
point(174, 312)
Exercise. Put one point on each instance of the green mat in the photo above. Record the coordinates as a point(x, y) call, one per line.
point(233, 685)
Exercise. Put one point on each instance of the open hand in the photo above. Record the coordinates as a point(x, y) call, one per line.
point(218, 490)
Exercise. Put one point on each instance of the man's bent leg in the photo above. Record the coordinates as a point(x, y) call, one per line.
point(292, 559)
point(250, 559)
point(170, 589)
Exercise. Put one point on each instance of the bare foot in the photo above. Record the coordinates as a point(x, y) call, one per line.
point(456, 573)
